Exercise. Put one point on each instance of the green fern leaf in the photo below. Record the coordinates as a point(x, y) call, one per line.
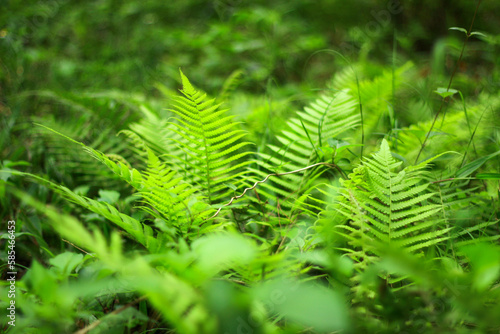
point(387, 206)
point(330, 116)
point(208, 140)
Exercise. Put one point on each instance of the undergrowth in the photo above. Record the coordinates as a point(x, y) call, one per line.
point(347, 217)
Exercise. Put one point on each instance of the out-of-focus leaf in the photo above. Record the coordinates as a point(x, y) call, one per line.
point(307, 304)
point(219, 251)
point(472, 166)
point(485, 260)
point(444, 92)
point(458, 29)
point(109, 196)
point(477, 33)
point(488, 176)
point(66, 262)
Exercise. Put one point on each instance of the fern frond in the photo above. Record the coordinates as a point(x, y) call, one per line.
point(131, 225)
point(64, 159)
point(179, 302)
point(168, 196)
point(389, 206)
point(208, 140)
point(230, 84)
point(331, 115)
point(172, 198)
point(375, 93)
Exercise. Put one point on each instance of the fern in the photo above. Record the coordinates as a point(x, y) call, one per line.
point(154, 131)
point(167, 196)
point(208, 141)
point(461, 210)
point(131, 225)
point(379, 205)
point(63, 159)
point(303, 144)
point(230, 84)
point(454, 129)
point(172, 199)
point(375, 93)
point(179, 302)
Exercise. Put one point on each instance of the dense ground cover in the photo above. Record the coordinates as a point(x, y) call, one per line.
point(313, 167)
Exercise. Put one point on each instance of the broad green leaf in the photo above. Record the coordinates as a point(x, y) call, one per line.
point(5, 174)
point(82, 190)
point(220, 251)
point(485, 260)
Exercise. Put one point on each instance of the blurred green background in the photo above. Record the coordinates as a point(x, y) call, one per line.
point(131, 45)
point(85, 67)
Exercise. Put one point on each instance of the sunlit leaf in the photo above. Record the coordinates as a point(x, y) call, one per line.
point(458, 29)
point(444, 92)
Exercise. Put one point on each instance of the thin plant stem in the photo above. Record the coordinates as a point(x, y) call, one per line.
point(444, 99)
point(275, 174)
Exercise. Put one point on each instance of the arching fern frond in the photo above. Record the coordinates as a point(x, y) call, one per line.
point(230, 84)
point(167, 196)
point(170, 198)
point(155, 131)
point(63, 159)
point(209, 141)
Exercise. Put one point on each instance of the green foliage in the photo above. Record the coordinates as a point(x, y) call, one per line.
point(385, 206)
point(140, 209)
point(308, 139)
point(176, 246)
point(207, 134)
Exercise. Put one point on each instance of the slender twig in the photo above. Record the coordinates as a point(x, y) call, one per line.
point(117, 311)
point(104, 308)
point(449, 83)
point(266, 178)
point(286, 232)
point(471, 140)
point(77, 247)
